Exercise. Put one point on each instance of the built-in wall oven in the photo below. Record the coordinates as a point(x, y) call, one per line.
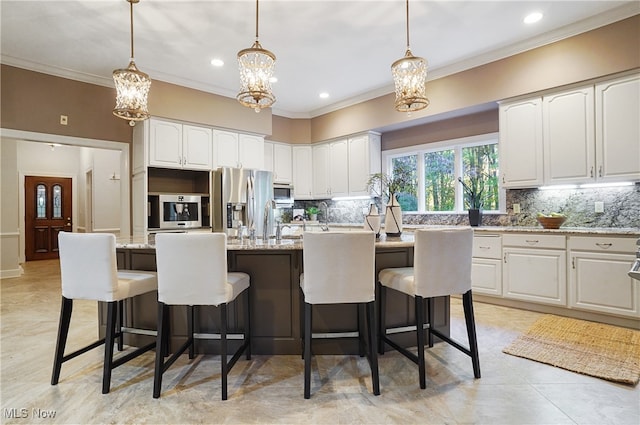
point(179, 211)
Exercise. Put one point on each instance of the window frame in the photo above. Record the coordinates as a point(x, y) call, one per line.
point(453, 144)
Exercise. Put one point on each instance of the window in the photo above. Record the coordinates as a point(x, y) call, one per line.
point(435, 168)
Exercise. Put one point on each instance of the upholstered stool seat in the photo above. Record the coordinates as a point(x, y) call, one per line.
point(442, 267)
point(192, 271)
point(89, 272)
point(339, 268)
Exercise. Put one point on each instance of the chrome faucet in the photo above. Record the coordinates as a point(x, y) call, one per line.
point(325, 217)
point(268, 208)
point(279, 230)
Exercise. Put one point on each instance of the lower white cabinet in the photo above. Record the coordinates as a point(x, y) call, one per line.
point(534, 268)
point(598, 279)
point(486, 268)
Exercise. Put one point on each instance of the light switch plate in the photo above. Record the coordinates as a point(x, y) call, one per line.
point(599, 206)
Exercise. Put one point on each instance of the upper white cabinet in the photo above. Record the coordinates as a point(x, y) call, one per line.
point(582, 135)
point(569, 134)
point(237, 150)
point(617, 129)
point(302, 159)
point(277, 159)
point(174, 145)
point(521, 143)
point(364, 160)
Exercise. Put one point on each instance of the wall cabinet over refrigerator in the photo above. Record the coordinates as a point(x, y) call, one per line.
point(277, 159)
point(237, 150)
point(174, 145)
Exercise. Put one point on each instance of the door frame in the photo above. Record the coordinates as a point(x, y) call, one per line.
point(125, 191)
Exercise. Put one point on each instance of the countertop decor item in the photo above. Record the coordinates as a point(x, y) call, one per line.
point(313, 213)
point(551, 221)
point(473, 189)
point(372, 220)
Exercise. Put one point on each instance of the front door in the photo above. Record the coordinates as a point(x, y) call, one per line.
point(47, 213)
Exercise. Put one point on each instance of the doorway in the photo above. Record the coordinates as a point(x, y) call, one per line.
point(48, 211)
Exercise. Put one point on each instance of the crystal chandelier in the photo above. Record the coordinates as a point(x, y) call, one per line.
point(256, 68)
point(409, 77)
point(132, 87)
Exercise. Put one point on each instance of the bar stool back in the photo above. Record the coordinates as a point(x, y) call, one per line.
point(339, 268)
point(442, 266)
point(192, 271)
point(89, 272)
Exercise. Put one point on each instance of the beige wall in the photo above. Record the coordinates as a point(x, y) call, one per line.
point(295, 131)
point(607, 50)
point(9, 214)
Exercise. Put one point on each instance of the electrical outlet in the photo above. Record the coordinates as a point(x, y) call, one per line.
point(516, 208)
point(64, 120)
point(599, 206)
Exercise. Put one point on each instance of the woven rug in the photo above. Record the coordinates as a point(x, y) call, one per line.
point(595, 349)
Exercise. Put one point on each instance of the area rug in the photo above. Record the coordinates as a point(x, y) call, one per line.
point(594, 349)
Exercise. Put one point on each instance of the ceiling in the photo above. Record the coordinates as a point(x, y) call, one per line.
point(344, 48)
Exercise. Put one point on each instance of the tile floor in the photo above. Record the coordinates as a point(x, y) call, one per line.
point(268, 389)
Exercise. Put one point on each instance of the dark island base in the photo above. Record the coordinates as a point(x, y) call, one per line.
point(275, 305)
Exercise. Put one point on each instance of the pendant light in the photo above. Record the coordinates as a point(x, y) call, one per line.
point(409, 77)
point(132, 87)
point(256, 68)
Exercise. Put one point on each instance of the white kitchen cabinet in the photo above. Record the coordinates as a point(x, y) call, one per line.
point(237, 150)
point(520, 144)
point(598, 279)
point(302, 159)
point(569, 154)
point(486, 267)
point(139, 206)
point(330, 169)
point(617, 129)
point(534, 268)
point(174, 145)
point(277, 159)
point(364, 160)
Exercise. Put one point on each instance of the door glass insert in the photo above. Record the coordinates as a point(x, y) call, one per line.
point(57, 201)
point(41, 201)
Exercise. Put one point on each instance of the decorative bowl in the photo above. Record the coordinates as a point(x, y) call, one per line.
point(551, 222)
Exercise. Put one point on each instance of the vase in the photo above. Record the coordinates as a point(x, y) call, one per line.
point(372, 220)
point(393, 218)
point(313, 217)
point(475, 217)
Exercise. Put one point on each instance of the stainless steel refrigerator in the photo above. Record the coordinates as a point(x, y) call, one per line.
point(242, 198)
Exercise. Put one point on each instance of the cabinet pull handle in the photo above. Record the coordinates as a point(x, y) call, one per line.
point(573, 262)
point(591, 172)
point(532, 241)
point(505, 258)
point(600, 171)
point(503, 181)
point(603, 245)
point(484, 247)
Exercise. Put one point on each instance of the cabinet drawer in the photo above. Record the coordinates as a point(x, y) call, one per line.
point(602, 244)
point(533, 240)
point(487, 246)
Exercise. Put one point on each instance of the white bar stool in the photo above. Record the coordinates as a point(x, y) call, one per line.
point(192, 271)
point(441, 267)
point(339, 268)
point(89, 272)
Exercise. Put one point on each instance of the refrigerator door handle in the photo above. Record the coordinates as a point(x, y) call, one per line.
point(251, 203)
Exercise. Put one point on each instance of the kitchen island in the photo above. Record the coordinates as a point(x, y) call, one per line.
point(274, 268)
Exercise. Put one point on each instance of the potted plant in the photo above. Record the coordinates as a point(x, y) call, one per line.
point(473, 189)
point(313, 213)
point(387, 188)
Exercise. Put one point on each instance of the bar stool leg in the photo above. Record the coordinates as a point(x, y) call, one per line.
point(467, 305)
point(223, 348)
point(307, 350)
point(382, 307)
point(431, 318)
point(419, 301)
point(112, 308)
point(373, 355)
point(247, 324)
point(66, 308)
point(161, 345)
point(190, 320)
point(119, 325)
point(361, 331)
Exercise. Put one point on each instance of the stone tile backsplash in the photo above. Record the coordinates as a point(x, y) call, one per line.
point(621, 209)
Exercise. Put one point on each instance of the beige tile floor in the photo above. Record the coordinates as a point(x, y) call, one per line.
point(268, 389)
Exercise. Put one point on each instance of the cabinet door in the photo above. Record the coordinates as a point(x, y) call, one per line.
point(321, 182)
point(538, 275)
point(486, 276)
point(165, 142)
point(197, 147)
point(599, 282)
point(339, 168)
point(225, 149)
point(139, 204)
point(617, 129)
point(302, 172)
point(521, 143)
point(569, 136)
point(268, 157)
point(282, 168)
point(251, 151)
point(364, 160)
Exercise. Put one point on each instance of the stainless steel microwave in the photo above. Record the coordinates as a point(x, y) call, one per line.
point(283, 195)
point(180, 211)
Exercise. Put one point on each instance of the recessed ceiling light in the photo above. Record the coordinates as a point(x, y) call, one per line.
point(324, 95)
point(532, 18)
point(217, 62)
point(273, 79)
